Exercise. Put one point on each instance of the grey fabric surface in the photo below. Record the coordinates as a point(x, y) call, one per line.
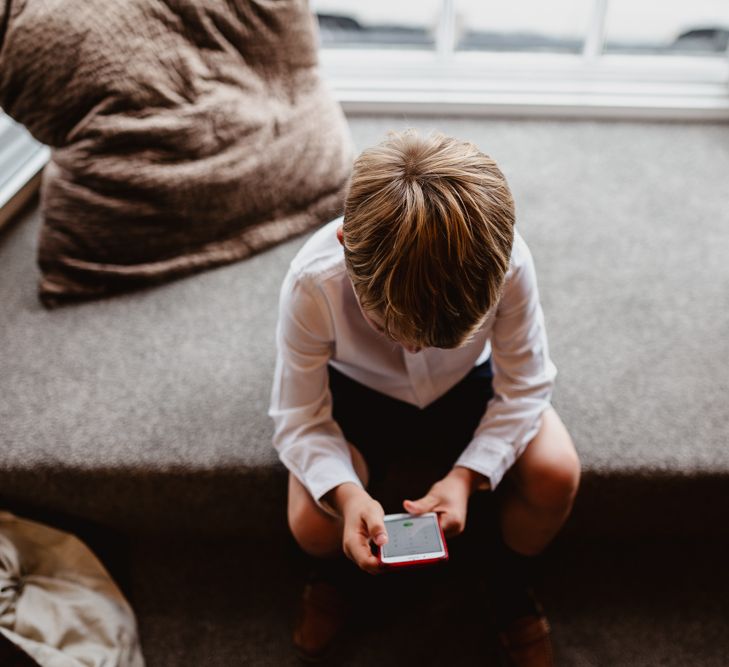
point(629, 604)
point(148, 411)
point(129, 410)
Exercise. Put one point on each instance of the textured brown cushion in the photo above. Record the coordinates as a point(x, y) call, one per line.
point(185, 134)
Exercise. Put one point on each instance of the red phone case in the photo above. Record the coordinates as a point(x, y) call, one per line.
point(417, 563)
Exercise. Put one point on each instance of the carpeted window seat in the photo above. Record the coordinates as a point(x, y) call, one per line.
point(147, 411)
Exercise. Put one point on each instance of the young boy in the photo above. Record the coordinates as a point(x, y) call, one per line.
point(412, 329)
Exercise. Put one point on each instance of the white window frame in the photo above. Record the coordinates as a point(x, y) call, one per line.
point(588, 84)
point(22, 159)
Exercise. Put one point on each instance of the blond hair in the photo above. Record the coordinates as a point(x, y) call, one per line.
point(428, 230)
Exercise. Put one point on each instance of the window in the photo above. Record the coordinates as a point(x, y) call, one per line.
point(636, 58)
point(378, 24)
point(699, 27)
point(21, 160)
point(522, 26)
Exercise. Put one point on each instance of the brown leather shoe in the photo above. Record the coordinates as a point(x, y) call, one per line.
point(323, 612)
point(527, 643)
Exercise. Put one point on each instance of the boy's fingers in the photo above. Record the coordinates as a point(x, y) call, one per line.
point(447, 525)
point(364, 558)
point(376, 528)
point(451, 524)
point(425, 504)
point(371, 565)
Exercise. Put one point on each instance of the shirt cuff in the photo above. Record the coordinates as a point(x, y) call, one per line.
point(489, 457)
point(492, 457)
point(325, 476)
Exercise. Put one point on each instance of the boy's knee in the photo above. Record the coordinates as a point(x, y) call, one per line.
point(551, 472)
point(555, 482)
point(315, 533)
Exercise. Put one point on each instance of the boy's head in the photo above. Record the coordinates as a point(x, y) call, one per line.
point(427, 234)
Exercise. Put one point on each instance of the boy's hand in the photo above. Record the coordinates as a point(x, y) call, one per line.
point(449, 498)
point(364, 520)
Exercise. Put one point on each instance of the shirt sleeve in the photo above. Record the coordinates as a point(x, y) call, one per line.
point(523, 376)
point(307, 439)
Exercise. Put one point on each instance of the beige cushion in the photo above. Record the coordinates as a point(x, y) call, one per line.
point(58, 603)
point(185, 135)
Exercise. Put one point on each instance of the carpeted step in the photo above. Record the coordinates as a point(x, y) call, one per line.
point(147, 412)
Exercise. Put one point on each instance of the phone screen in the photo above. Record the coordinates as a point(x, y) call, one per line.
point(411, 536)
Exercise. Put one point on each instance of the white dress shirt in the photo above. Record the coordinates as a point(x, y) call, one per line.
point(320, 322)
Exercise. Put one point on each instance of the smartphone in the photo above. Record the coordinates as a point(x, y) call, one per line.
point(413, 540)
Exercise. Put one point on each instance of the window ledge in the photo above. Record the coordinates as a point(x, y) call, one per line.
point(680, 88)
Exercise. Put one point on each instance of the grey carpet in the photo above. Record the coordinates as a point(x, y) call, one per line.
point(148, 411)
point(630, 604)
